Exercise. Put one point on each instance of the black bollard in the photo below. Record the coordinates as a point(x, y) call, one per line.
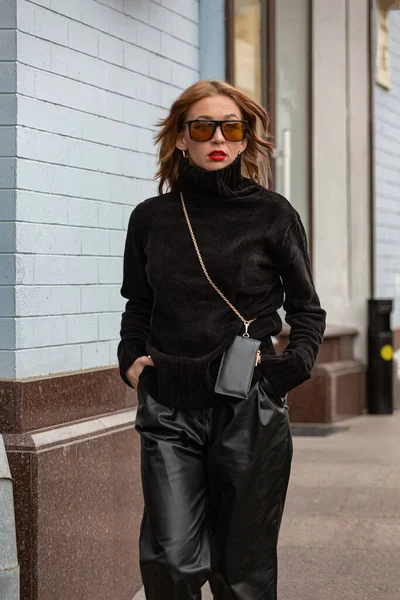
point(380, 358)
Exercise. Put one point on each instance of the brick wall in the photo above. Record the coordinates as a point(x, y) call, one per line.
point(387, 179)
point(93, 78)
point(8, 119)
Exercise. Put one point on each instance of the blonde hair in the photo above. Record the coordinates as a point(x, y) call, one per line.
point(256, 156)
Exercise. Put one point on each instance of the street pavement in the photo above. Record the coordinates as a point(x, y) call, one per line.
point(340, 537)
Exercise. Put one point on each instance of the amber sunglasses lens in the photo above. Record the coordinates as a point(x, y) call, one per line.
point(234, 131)
point(201, 131)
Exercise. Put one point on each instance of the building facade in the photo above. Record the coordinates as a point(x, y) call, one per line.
point(386, 160)
point(82, 84)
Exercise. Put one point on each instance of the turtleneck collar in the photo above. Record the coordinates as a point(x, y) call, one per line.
point(227, 182)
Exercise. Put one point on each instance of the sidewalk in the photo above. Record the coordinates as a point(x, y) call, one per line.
point(340, 537)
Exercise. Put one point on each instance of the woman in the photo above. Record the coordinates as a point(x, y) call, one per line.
point(215, 467)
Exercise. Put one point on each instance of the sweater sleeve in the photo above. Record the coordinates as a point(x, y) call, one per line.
point(135, 322)
point(303, 313)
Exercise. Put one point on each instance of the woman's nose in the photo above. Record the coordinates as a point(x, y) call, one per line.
point(218, 137)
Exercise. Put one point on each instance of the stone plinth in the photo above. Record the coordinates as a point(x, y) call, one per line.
point(336, 389)
point(74, 458)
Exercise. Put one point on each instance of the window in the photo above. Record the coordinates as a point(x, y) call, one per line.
point(247, 32)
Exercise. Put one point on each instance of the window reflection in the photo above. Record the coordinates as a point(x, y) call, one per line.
point(247, 47)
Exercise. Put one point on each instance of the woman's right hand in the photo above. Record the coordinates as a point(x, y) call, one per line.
point(134, 371)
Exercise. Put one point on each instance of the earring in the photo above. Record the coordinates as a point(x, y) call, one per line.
point(239, 153)
point(184, 153)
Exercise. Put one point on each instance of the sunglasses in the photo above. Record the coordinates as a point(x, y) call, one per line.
point(203, 131)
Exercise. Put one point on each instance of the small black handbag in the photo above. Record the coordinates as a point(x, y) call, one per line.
point(240, 359)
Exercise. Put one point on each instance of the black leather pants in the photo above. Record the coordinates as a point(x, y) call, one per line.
point(214, 483)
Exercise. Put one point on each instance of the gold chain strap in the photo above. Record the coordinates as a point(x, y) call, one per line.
point(245, 321)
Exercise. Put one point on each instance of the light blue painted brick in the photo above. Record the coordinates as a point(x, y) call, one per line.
point(187, 8)
point(41, 208)
point(50, 331)
point(110, 105)
point(123, 82)
point(8, 44)
point(95, 242)
point(139, 9)
point(7, 359)
point(188, 31)
point(7, 173)
point(117, 303)
point(26, 16)
point(159, 17)
point(95, 355)
point(113, 351)
point(26, 80)
point(82, 38)
point(110, 269)
point(140, 165)
point(136, 113)
point(47, 300)
point(123, 27)
point(81, 269)
point(169, 94)
point(111, 49)
point(8, 109)
point(145, 189)
point(81, 67)
point(45, 3)
point(183, 76)
point(111, 216)
point(7, 269)
point(7, 300)
point(8, 12)
point(58, 90)
point(148, 38)
point(53, 179)
point(8, 77)
point(7, 205)
point(95, 186)
point(83, 212)
point(95, 298)
point(7, 141)
point(136, 59)
point(160, 68)
point(7, 237)
point(25, 269)
point(109, 326)
point(48, 239)
point(387, 180)
point(72, 8)
point(62, 65)
point(145, 141)
point(49, 270)
point(85, 113)
point(148, 90)
point(44, 361)
point(122, 189)
point(25, 334)
point(7, 333)
point(51, 26)
point(33, 51)
point(82, 328)
point(173, 48)
point(116, 4)
point(110, 160)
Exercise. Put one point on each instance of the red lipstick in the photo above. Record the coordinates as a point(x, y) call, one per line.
point(217, 155)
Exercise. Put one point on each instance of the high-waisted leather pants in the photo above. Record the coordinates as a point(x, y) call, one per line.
point(214, 483)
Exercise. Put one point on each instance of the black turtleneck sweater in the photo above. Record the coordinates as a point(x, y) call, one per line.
point(254, 247)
